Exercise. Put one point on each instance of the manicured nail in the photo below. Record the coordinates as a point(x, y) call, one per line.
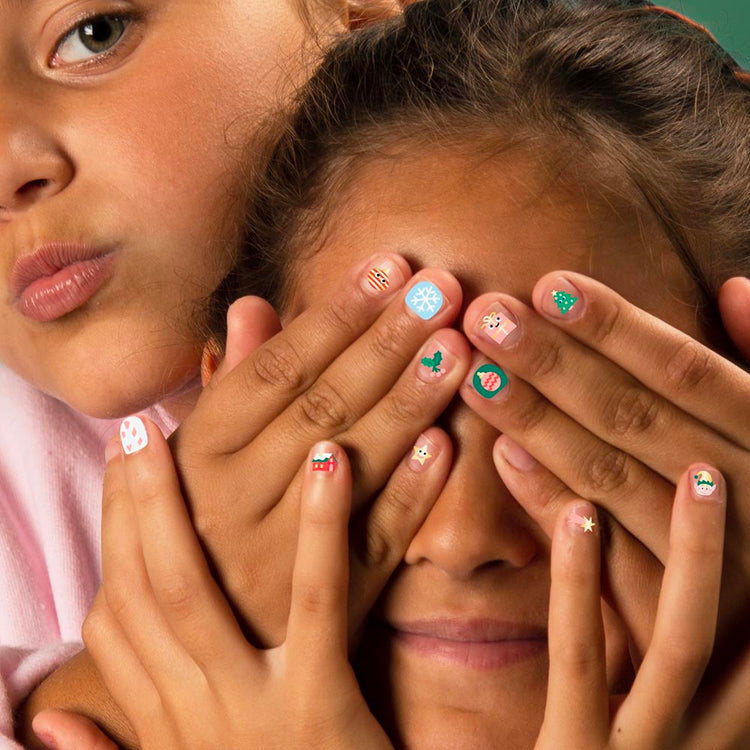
point(706, 483)
point(382, 277)
point(425, 299)
point(489, 380)
point(112, 450)
point(434, 362)
point(324, 460)
point(583, 520)
point(499, 325)
point(133, 435)
point(423, 454)
point(517, 456)
point(563, 300)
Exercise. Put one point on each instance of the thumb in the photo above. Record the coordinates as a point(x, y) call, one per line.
point(734, 306)
point(64, 730)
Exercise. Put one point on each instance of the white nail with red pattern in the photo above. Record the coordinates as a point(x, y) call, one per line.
point(133, 435)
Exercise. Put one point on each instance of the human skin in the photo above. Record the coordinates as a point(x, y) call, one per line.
point(137, 148)
point(498, 225)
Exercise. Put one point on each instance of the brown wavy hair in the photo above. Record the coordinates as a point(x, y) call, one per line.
point(654, 98)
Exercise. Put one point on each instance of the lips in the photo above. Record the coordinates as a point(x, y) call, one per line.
point(59, 278)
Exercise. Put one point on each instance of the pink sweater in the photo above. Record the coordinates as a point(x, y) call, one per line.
point(51, 470)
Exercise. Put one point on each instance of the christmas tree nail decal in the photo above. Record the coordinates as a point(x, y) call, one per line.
point(433, 364)
point(564, 301)
point(489, 380)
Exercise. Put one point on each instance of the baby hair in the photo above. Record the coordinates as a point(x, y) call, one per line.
point(646, 98)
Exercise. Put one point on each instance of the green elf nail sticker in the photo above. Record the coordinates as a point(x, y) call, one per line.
point(489, 380)
point(433, 364)
point(564, 301)
point(704, 483)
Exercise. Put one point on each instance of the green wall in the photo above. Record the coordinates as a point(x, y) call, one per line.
point(728, 20)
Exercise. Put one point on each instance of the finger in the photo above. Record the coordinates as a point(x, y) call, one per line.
point(631, 573)
point(65, 730)
point(383, 532)
point(285, 367)
point(591, 467)
point(317, 630)
point(188, 597)
point(734, 306)
point(577, 710)
point(600, 395)
point(118, 667)
point(686, 618)
point(664, 359)
point(338, 399)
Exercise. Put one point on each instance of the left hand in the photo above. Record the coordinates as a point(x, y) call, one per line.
point(615, 403)
point(185, 676)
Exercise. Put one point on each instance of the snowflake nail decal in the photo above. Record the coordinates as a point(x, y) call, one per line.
point(489, 380)
point(425, 299)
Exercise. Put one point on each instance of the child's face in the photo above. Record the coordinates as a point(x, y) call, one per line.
point(126, 140)
point(479, 567)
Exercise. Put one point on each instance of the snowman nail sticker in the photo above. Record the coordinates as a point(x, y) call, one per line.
point(703, 483)
point(421, 454)
point(498, 326)
point(379, 279)
point(133, 435)
point(425, 299)
point(489, 380)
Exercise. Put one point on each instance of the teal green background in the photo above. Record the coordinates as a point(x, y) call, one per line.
point(728, 21)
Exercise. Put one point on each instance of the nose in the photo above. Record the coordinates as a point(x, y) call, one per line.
point(32, 164)
point(475, 524)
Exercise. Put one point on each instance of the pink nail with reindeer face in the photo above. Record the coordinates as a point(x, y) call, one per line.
point(133, 435)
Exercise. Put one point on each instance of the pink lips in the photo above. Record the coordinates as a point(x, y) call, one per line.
point(58, 279)
point(476, 644)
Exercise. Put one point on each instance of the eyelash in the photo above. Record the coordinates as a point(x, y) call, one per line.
point(128, 20)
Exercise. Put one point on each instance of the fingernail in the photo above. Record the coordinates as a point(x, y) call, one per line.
point(517, 456)
point(324, 460)
point(563, 300)
point(111, 450)
point(434, 362)
point(47, 740)
point(488, 380)
point(706, 483)
point(425, 299)
point(423, 454)
point(582, 519)
point(133, 435)
point(499, 325)
point(382, 277)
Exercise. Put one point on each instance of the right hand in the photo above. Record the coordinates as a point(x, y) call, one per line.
point(348, 371)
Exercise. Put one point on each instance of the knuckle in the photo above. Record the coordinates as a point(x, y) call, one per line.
point(531, 414)
point(94, 628)
point(120, 597)
point(385, 342)
point(544, 360)
point(690, 366)
point(404, 407)
point(579, 658)
point(313, 599)
point(631, 411)
point(385, 530)
point(689, 655)
point(604, 471)
point(606, 323)
point(341, 315)
point(177, 592)
point(323, 407)
point(278, 364)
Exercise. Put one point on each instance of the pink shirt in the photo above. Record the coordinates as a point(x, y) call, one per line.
point(51, 471)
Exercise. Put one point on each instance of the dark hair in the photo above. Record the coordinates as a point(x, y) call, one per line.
point(639, 90)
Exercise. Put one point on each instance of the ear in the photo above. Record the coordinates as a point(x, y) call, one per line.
point(210, 361)
point(364, 12)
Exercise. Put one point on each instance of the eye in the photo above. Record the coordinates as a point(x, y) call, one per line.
point(90, 38)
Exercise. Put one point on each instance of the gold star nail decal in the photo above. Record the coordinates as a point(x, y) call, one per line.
point(421, 454)
point(587, 524)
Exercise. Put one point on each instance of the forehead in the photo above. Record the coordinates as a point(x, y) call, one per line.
point(498, 223)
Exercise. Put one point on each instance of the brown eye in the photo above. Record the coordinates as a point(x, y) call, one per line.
point(90, 38)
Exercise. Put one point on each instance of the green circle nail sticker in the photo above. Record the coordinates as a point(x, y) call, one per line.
point(489, 380)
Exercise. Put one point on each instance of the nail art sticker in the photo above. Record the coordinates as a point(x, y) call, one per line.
point(421, 454)
point(433, 364)
point(489, 380)
point(704, 483)
point(133, 435)
point(585, 523)
point(425, 299)
point(324, 462)
point(379, 279)
point(564, 301)
point(498, 326)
